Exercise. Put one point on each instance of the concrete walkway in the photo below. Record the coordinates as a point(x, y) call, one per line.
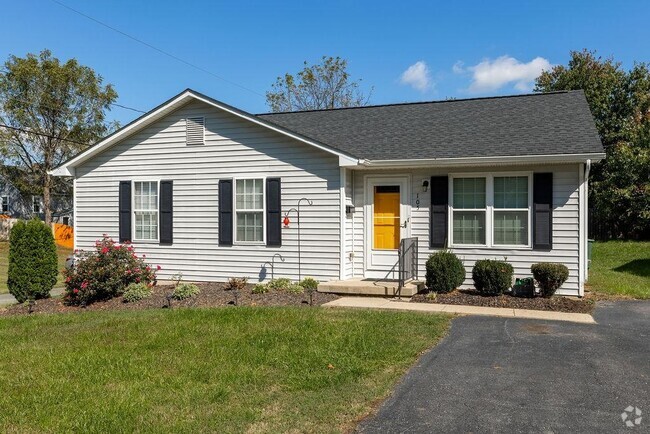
point(9, 299)
point(384, 303)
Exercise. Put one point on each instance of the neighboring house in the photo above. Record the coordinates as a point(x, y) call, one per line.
point(17, 205)
point(202, 187)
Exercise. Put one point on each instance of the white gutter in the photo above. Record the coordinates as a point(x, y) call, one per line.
point(521, 159)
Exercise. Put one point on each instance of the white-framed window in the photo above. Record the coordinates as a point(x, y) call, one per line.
point(36, 204)
point(249, 210)
point(469, 210)
point(489, 210)
point(5, 204)
point(145, 210)
point(511, 211)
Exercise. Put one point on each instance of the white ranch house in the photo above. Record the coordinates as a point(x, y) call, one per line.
point(203, 188)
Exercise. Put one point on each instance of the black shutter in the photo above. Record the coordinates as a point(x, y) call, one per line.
point(438, 211)
point(273, 212)
point(166, 212)
point(125, 211)
point(225, 212)
point(542, 211)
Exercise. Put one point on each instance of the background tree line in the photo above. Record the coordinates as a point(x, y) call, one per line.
point(50, 111)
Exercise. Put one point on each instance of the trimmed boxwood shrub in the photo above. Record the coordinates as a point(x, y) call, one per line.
point(105, 272)
point(33, 267)
point(550, 276)
point(492, 277)
point(445, 272)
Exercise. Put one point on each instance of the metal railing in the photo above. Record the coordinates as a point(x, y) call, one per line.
point(408, 261)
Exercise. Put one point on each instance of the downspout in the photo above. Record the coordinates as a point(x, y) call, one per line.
point(351, 254)
point(586, 217)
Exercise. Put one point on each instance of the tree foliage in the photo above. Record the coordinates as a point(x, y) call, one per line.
point(326, 85)
point(620, 103)
point(55, 110)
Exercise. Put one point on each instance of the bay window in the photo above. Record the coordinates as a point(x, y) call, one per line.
point(249, 210)
point(145, 210)
point(490, 210)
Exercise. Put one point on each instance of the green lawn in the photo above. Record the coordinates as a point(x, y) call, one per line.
point(235, 369)
point(621, 268)
point(4, 264)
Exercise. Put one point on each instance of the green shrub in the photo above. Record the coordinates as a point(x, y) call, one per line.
point(33, 267)
point(260, 288)
point(281, 284)
point(295, 288)
point(137, 291)
point(492, 277)
point(445, 272)
point(236, 283)
point(550, 276)
point(309, 284)
point(185, 290)
point(105, 272)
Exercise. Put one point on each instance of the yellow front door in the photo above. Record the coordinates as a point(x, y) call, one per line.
point(386, 217)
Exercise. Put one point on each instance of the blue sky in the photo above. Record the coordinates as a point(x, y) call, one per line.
point(407, 51)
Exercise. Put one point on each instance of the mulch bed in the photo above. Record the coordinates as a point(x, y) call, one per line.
point(212, 295)
point(473, 298)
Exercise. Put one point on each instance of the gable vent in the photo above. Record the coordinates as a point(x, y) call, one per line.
point(194, 127)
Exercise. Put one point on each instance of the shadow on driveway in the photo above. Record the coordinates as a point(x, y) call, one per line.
point(513, 375)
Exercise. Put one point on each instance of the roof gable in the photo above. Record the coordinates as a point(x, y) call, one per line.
point(67, 168)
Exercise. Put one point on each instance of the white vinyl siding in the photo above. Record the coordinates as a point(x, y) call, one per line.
point(566, 217)
point(234, 148)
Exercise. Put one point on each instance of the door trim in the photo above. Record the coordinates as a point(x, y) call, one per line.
point(368, 206)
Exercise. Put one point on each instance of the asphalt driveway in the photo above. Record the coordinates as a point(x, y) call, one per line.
point(513, 375)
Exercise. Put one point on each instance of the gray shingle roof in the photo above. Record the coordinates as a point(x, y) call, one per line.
point(535, 124)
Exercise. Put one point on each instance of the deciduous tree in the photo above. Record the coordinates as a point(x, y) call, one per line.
point(326, 85)
point(49, 111)
point(620, 103)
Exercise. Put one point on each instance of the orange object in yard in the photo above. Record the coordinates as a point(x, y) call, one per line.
point(63, 235)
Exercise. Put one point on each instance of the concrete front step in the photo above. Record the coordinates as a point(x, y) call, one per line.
point(370, 287)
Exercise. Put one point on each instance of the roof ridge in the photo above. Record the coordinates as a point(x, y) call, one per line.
point(440, 101)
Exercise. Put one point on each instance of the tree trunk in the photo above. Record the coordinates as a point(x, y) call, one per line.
point(47, 199)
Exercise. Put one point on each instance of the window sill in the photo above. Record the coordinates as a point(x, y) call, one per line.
point(492, 247)
point(145, 241)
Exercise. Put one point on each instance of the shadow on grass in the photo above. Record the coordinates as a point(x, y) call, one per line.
point(638, 267)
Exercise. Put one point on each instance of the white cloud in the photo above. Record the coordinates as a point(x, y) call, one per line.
point(490, 75)
point(417, 76)
point(459, 67)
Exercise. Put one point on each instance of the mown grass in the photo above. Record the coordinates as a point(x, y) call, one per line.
point(62, 252)
point(621, 268)
point(215, 370)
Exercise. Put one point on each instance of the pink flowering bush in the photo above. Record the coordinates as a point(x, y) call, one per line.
point(105, 272)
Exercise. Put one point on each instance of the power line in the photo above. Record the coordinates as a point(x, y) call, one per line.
point(166, 53)
point(23, 130)
point(128, 108)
